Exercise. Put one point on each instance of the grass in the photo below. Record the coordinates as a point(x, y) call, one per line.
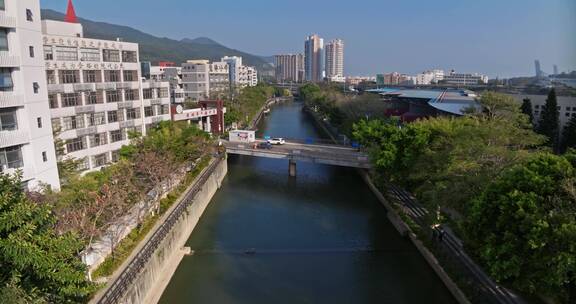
point(124, 249)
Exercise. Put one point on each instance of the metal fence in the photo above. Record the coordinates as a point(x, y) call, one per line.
point(448, 249)
point(118, 288)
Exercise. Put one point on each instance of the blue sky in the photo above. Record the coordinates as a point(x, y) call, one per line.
point(494, 37)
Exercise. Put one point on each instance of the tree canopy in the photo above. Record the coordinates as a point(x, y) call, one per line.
point(36, 263)
point(549, 122)
point(523, 226)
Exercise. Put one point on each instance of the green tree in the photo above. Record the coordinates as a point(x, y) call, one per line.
point(549, 123)
point(33, 258)
point(527, 108)
point(523, 227)
point(569, 135)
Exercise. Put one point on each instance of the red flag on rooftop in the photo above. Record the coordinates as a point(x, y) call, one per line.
point(70, 13)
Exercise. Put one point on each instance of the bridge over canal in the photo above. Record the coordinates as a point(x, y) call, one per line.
point(295, 150)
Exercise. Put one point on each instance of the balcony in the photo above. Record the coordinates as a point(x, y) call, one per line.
point(7, 21)
point(85, 109)
point(127, 124)
point(84, 87)
point(9, 99)
point(55, 88)
point(126, 105)
point(154, 102)
point(106, 86)
point(86, 131)
point(8, 61)
point(13, 138)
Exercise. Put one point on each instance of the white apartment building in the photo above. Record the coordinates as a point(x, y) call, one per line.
point(461, 79)
point(240, 75)
point(429, 77)
point(289, 68)
point(335, 60)
point(96, 93)
point(196, 79)
point(247, 77)
point(26, 141)
point(219, 78)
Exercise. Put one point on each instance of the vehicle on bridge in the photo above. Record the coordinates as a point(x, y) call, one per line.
point(264, 145)
point(276, 141)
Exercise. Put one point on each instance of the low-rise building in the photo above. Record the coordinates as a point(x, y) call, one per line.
point(96, 94)
point(196, 79)
point(464, 79)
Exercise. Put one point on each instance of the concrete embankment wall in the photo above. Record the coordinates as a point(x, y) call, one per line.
point(150, 283)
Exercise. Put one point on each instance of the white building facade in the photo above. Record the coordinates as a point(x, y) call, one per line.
point(196, 79)
point(96, 94)
point(429, 77)
point(464, 79)
point(26, 140)
point(335, 60)
point(314, 68)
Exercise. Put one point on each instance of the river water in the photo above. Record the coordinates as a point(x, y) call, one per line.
point(321, 237)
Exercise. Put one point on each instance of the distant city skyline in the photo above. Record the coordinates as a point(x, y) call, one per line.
point(500, 39)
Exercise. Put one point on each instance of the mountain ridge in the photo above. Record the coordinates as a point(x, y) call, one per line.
point(155, 49)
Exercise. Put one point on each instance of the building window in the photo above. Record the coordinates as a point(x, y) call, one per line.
point(112, 76)
point(29, 15)
point(51, 76)
point(132, 114)
point(36, 87)
point(129, 56)
point(31, 50)
point(73, 122)
point(96, 119)
point(92, 76)
point(113, 96)
point(116, 136)
point(56, 126)
point(71, 100)
point(11, 158)
point(83, 164)
point(147, 93)
point(115, 156)
point(39, 122)
point(100, 160)
point(98, 140)
point(75, 144)
point(8, 120)
point(148, 111)
point(89, 54)
point(44, 157)
point(2, 6)
point(48, 53)
point(3, 40)
point(130, 75)
point(53, 100)
point(6, 83)
point(110, 56)
point(112, 116)
point(66, 53)
point(93, 97)
point(69, 76)
point(131, 95)
point(164, 109)
point(163, 93)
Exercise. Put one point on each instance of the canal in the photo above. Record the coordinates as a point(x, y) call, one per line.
point(321, 237)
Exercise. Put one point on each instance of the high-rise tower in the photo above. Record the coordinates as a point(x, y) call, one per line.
point(314, 58)
point(335, 59)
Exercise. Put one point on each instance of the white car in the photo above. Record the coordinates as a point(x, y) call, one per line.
point(276, 141)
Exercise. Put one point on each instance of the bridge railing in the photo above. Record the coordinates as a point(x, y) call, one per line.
point(320, 141)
